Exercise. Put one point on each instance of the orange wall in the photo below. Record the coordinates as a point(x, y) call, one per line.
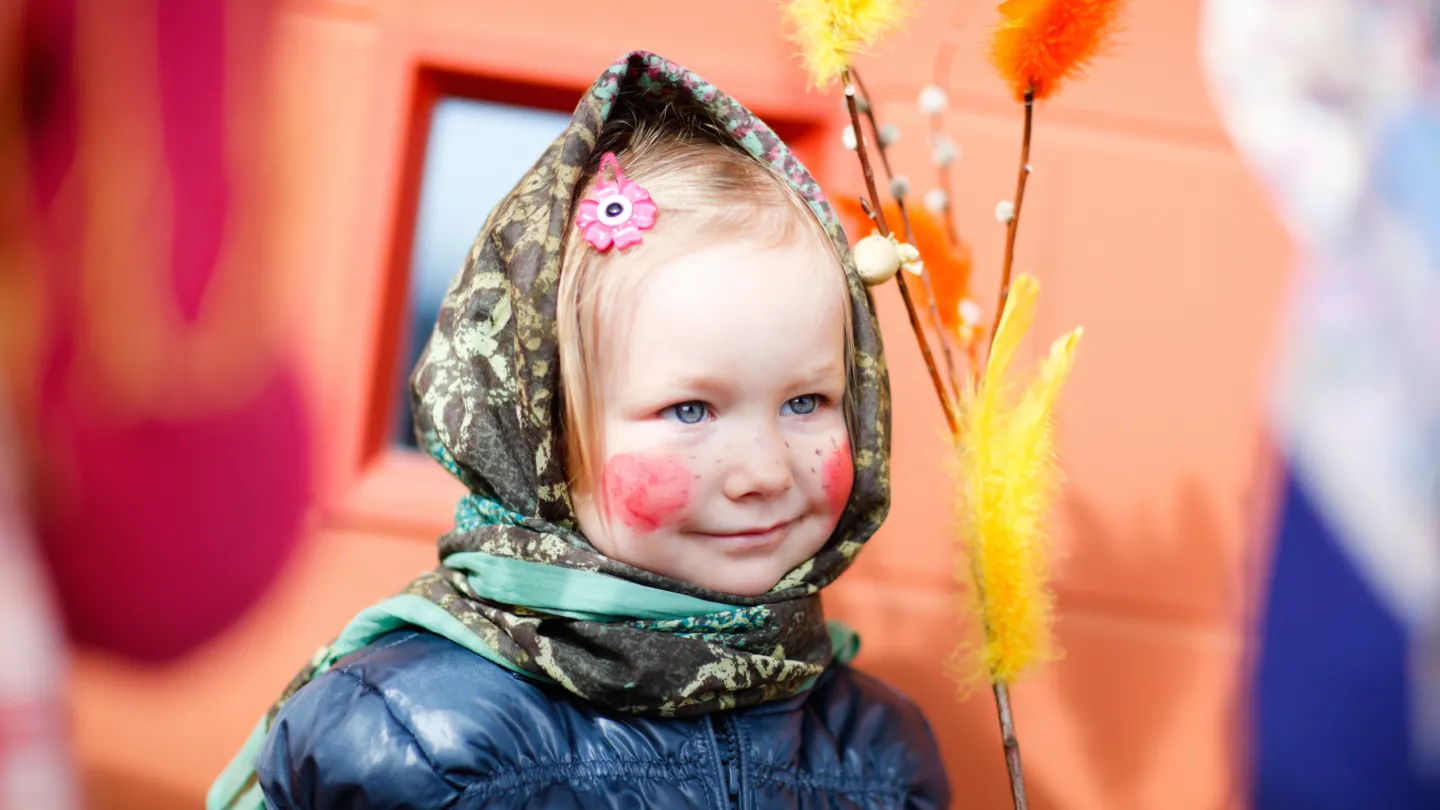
point(1140, 222)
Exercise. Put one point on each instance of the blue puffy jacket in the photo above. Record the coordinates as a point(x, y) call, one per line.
point(416, 721)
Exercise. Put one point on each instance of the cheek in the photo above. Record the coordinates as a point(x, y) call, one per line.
point(839, 477)
point(646, 491)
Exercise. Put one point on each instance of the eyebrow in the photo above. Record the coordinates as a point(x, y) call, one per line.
point(698, 383)
point(814, 374)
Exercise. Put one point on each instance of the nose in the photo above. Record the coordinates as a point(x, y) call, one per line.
point(760, 466)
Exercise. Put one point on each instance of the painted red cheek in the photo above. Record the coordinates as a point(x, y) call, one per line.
point(839, 478)
point(646, 491)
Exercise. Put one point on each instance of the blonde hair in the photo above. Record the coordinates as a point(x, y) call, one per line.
point(707, 189)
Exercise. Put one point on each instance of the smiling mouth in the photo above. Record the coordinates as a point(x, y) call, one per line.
point(753, 539)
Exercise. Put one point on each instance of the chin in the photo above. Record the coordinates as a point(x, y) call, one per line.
point(747, 587)
point(748, 577)
point(739, 583)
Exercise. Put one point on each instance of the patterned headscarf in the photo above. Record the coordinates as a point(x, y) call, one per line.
point(518, 583)
point(486, 407)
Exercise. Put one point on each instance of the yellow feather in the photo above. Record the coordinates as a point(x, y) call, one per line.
point(1008, 481)
point(832, 32)
point(1014, 324)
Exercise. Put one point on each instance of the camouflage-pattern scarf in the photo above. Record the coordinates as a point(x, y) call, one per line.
point(485, 400)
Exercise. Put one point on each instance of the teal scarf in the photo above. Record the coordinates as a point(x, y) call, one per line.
point(583, 595)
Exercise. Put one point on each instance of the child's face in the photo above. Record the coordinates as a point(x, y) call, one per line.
point(727, 456)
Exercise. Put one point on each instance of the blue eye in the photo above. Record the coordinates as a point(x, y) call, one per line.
point(687, 413)
point(801, 406)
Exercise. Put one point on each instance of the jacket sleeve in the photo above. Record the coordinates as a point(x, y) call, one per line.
point(930, 789)
point(338, 743)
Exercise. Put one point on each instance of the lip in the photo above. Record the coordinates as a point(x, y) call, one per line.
point(759, 539)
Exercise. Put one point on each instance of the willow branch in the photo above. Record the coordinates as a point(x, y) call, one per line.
point(1013, 226)
point(943, 58)
point(942, 182)
point(1011, 744)
point(880, 222)
point(935, 322)
point(1008, 737)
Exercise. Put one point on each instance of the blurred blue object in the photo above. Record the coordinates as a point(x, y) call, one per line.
point(1336, 104)
point(1333, 709)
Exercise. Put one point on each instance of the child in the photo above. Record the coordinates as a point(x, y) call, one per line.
point(660, 378)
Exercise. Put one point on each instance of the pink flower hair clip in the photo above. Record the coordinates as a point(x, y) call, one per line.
point(615, 213)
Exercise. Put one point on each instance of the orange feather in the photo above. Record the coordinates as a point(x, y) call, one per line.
point(1040, 44)
point(949, 267)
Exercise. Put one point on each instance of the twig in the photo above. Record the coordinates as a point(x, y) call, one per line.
point(946, 52)
point(1013, 225)
point(1009, 741)
point(885, 231)
point(943, 57)
point(1002, 692)
point(864, 155)
point(1012, 746)
point(935, 321)
point(942, 181)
